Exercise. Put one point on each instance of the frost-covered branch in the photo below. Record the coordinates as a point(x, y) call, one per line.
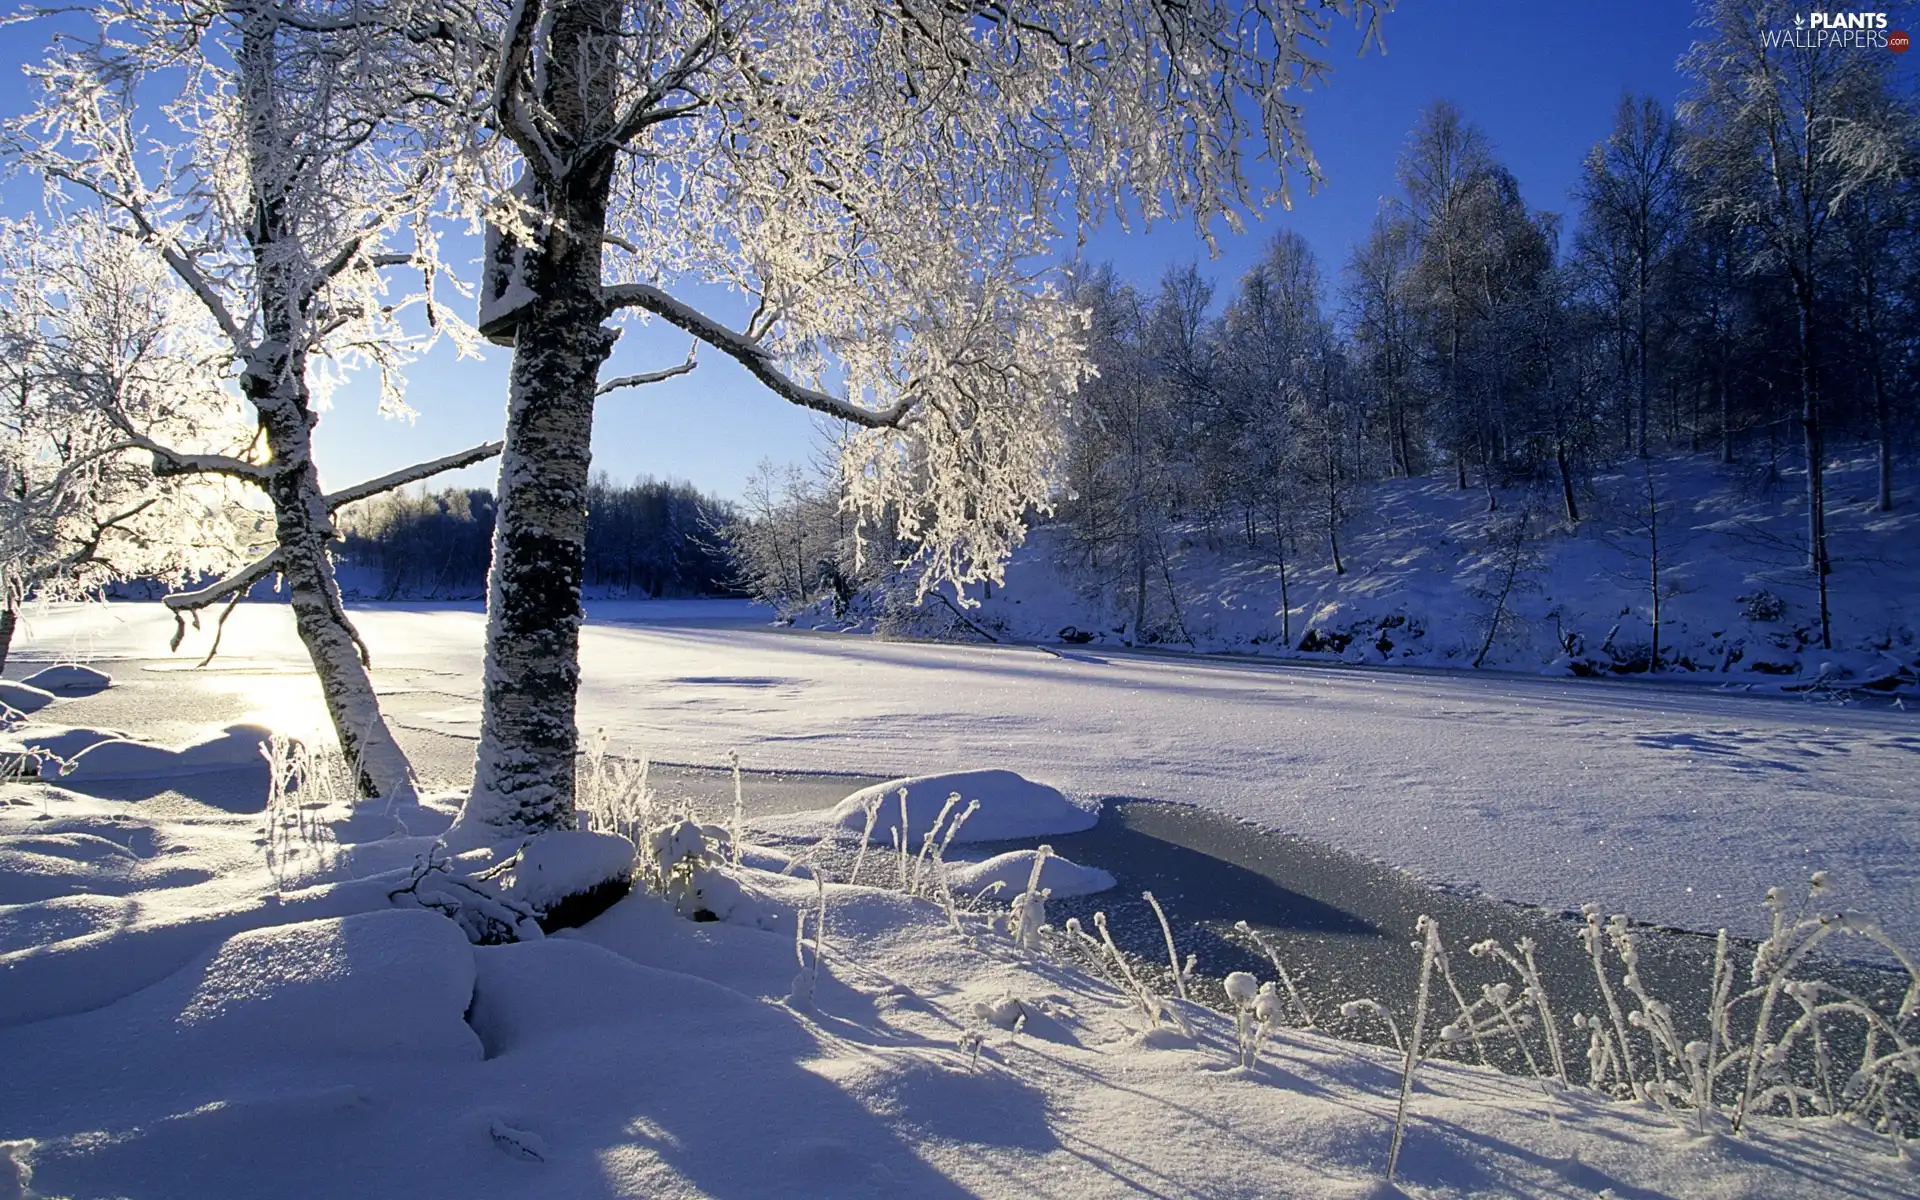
point(758, 361)
point(168, 462)
point(213, 593)
point(413, 474)
point(648, 377)
point(88, 551)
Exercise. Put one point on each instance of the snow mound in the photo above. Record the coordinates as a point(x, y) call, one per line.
point(1011, 806)
point(523, 988)
point(56, 744)
point(383, 985)
point(1012, 870)
point(42, 865)
point(234, 746)
point(571, 862)
point(70, 680)
point(24, 698)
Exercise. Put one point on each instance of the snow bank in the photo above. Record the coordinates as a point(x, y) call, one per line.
point(234, 746)
point(1012, 870)
point(377, 985)
point(24, 698)
point(70, 680)
point(1011, 807)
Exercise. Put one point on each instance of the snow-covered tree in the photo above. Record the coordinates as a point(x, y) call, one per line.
point(1774, 126)
point(784, 540)
point(1380, 306)
point(876, 182)
point(258, 149)
point(1631, 220)
point(100, 349)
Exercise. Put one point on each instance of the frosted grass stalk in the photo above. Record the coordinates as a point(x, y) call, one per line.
point(1142, 995)
point(1280, 968)
point(1429, 949)
point(866, 834)
point(900, 839)
point(738, 828)
point(1173, 955)
point(927, 843)
point(1595, 940)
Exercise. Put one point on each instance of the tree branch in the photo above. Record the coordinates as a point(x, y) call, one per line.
point(213, 593)
point(405, 475)
point(758, 362)
point(168, 462)
point(642, 380)
point(182, 266)
point(89, 550)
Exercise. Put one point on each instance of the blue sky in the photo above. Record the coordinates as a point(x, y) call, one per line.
point(1541, 79)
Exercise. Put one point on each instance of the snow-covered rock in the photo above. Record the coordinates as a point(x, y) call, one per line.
point(1011, 806)
point(234, 746)
point(571, 876)
point(70, 679)
point(381, 985)
point(23, 697)
point(1012, 870)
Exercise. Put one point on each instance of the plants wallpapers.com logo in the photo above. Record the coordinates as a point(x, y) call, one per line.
point(1839, 31)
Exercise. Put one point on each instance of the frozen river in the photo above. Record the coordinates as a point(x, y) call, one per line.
point(1676, 804)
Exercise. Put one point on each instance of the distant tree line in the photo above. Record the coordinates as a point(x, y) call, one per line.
point(1742, 281)
point(651, 538)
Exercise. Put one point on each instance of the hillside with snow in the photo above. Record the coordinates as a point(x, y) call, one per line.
point(1426, 564)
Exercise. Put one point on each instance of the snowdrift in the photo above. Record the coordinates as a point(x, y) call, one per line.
point(70, 679)
point(1011, 807)
point(1006, 876)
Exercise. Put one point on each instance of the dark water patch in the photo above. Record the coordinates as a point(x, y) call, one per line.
point(1345, 929)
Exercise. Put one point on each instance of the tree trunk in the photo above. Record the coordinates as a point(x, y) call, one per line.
point(1816, 463)
point(1566, 482)
point(1653, 569)
point(302, 529)
point(1333, 523)
point(524, 775)
point(8, 619)
point(1883, 421)
point(1139, 590)
point(1884, 418)
point(275, 382)
point(1726, 412)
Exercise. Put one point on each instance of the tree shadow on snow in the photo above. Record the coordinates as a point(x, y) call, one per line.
point(237, 790)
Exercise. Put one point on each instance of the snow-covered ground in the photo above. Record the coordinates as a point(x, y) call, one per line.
point(178, 1019)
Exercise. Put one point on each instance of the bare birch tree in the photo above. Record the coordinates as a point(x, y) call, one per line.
point(873, 182)
point(280, 183)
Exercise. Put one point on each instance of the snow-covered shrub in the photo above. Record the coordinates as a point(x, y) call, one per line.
point(614, 796)
point(683, 855)
point(302, 784)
